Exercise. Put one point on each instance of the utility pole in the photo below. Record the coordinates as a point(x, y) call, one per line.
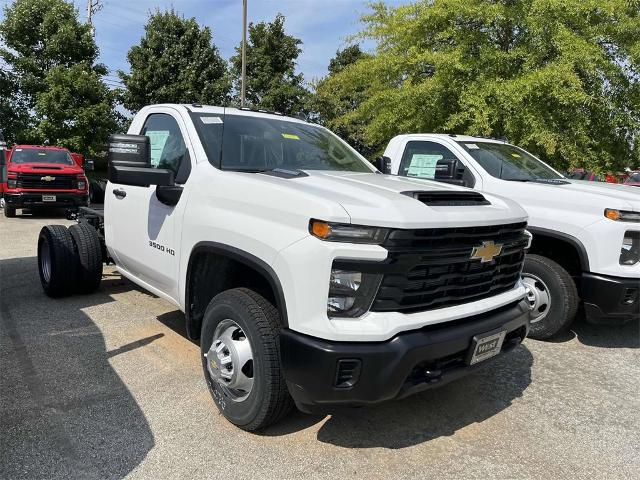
point(93, 6)
point(243, 88)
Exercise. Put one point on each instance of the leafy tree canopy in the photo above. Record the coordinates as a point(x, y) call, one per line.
point(558, 77)
point(331, 102)
point(54, 87)
point(175, 62)
point(272, 83)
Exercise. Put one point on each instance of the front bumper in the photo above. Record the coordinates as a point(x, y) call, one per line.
point(63, 199)
point(408, 363)
point(610, 300)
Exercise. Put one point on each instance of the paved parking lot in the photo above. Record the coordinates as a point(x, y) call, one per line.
point(106, 386)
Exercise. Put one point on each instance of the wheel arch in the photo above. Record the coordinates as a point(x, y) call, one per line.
point(545, 240)
point(234, 268)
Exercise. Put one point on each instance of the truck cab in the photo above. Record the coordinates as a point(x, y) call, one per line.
point(43, 177)
point(586, 235)
point(307, 277)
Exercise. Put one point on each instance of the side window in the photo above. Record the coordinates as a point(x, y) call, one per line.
point(168, 149)
point(420, 159)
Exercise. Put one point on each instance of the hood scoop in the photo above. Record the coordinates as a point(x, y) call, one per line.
point(449, 198)
point(45, 167)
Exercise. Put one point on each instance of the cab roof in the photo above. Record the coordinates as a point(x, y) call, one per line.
point(455, 137)
point(40, 147)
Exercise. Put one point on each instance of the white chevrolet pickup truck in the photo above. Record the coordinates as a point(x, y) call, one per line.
point(586, 235)
point(306, 275)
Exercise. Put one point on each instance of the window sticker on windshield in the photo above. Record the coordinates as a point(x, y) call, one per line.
point(516, 155)
point(42, 154)
point(423, 165)
point(210, 120)
point(472, 146)
point(18, 149)
point(157, 139)
point(290, 136)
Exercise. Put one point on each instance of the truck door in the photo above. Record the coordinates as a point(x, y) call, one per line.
point(144, 233)
point(421, 159)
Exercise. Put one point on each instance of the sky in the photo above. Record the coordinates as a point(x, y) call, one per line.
point(322, 25)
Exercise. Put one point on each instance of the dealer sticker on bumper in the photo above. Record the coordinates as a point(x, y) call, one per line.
point(485, 347)
point(48, 198)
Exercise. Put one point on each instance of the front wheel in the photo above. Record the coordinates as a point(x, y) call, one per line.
point(9, 211)
point(552, 296)
point(241, 359)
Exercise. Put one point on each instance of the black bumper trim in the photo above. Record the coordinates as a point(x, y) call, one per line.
point(63, 199)
point(408, 363)
point(610, 300)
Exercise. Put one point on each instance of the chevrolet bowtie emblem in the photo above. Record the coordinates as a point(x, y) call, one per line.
point(486, 252)
point(48, 178)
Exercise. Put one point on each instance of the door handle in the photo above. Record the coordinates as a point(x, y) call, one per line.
point(119, 193)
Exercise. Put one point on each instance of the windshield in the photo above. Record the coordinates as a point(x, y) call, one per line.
point(507, 162)
point(247, 143)
point(35, 155)
point(634, 177)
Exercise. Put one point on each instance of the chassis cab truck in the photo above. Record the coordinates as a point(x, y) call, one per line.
point(306, 275)
point(586, 235)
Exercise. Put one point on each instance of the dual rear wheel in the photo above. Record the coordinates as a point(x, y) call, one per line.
point(69, 259)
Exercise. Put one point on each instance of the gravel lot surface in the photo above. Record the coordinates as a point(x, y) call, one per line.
point(107, 386)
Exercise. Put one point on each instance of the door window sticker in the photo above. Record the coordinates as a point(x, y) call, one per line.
point(158, 140)
point(210, 120)
point(472, 146)
point(290, 136)
point(423, 165)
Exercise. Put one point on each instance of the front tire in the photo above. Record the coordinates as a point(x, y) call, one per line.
point(552, 295)
point(240, 347)
point(9, 211)
point(57, 261)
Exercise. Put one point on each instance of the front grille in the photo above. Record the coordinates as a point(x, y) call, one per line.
point(449, 198)
point(432, 268)
point(35, 181)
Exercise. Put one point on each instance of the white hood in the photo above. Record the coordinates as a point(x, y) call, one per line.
point(374, 199)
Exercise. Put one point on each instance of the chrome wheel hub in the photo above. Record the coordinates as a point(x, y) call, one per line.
point(537, 295)
point(230, 360)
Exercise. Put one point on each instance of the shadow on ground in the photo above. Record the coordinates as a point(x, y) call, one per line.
point(603, 336)
point(64, 412)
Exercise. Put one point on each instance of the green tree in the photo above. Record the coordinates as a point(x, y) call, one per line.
point(76, 102)
point(331, 104)
point(559, 77)
point(55, 87)
point(272, 83)
point(175, 62)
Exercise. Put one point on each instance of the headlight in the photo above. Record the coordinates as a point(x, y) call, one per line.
point(630, 251)
point(12, 182)
point(344, 232)
point(82, 183)
point(621, 215)
point(351, 293)
point(529, 236)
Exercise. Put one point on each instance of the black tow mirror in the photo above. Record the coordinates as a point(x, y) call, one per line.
point(383, 164)
point(450, 170)
point(89, 165)
point(129, 162)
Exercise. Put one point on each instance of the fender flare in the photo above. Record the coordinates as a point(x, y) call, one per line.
point(571, 240)
point(245, 258)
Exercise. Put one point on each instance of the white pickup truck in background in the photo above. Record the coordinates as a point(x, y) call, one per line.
point(586, 235)
point(304, 273)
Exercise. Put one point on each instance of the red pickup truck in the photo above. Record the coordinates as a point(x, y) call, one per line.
point(42, 176)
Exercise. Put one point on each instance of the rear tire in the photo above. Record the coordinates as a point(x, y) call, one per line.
point(552, 295)
point(89, 250)
point(260, 397)
point(9, 211)
point(57, 261)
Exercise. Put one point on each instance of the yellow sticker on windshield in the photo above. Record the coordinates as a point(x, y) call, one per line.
point(515, 155)
point(290, 136)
